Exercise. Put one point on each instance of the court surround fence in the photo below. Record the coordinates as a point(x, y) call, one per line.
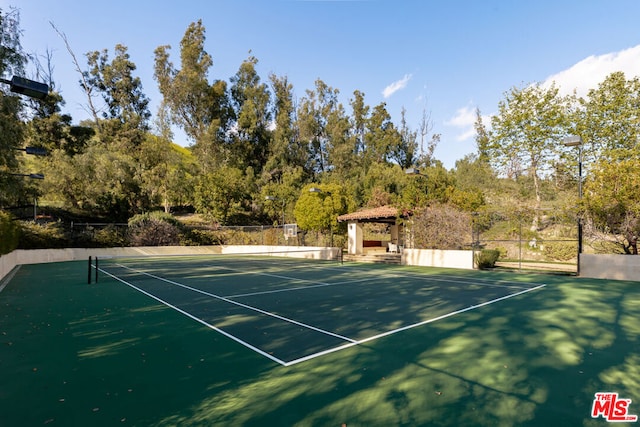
point(539, 240)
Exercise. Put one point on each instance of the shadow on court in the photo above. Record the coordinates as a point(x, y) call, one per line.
point(78, 354)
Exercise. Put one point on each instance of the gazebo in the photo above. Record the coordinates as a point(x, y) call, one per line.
point(383, 214)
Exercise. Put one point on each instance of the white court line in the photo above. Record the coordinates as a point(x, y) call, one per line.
point(392, 272)
point(404, 328)
point(234, 338)
point(248, 307)
point(300, 288)
point(351, 342)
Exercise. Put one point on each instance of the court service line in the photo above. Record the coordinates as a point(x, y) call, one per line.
point(393, 273)
point(197, 319)
point(414, 325)
point(300, 288)
point(248, 307)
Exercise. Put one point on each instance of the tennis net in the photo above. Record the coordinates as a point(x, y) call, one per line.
point(238, 261)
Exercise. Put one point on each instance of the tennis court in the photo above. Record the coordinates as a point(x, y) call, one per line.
point(217, 340)
point(292, 311)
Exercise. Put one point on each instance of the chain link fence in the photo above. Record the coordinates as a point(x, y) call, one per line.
point(210, 234)
point(533, 239)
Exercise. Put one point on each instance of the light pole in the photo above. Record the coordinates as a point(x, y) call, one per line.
point(413, 171)
point(36, 151)
point(27, 87)
point(576, 141)
point(28, 175)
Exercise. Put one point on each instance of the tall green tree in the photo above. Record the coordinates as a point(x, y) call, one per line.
point(126, 113)
point(405, 153)
point(164, 171)
point(382, 138)
point(199, 108)
point(527, 133)
point(611, 201)
point(223, 194)
point(314, 114)
point(13, 60)
point(285, 150)
point(359, 117)
point(250, 99)
point(318, 211)
point(608, 119)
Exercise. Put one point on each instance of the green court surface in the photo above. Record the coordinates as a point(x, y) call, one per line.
point(238, 342)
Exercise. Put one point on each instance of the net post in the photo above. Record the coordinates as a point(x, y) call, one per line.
point(89, 271)
point(96, 269)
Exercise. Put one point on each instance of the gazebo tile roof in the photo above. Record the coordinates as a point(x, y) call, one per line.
point(381, 212)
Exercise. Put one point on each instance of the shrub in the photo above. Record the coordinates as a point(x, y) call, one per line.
point(154, 229)
point(487, 258)
point(110, 237)
point(441, 226)
point(43, 236)
point(560, 251)
point(196, 237)
point(9, 233)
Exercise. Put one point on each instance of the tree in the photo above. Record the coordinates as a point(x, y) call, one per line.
point(611, 201)
point(99, 181)
point(317, 211)
point(49, 127)
point(382, 138)
point(284, 191)
point(12, 108)
point(126, 106)
point(199, 108)
point(221, 194)
point(608, 120)
point(483, 139)
point(250, 100)
point(285, 151)
point(314, 114)
point(526, 133)
point(441, 226)
point(164, 171)
point(426, 154)
point(406, 152)
point(359, 117)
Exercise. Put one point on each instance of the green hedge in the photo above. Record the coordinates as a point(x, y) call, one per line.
point(487, 258)
point(45, 236)
point(9, 233)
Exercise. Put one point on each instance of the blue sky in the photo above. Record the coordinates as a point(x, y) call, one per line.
point(444, 57)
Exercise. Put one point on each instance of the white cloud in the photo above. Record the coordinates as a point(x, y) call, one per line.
point(591, 71)
point(396, 86)
point(464, 120)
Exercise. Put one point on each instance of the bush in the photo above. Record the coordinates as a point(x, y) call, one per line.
point(43, 236)
point(487, 258)
point(195, 237)
point(154, 229)
point(9, 233)
point(560, 251)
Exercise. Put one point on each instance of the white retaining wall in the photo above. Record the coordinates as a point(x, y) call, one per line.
point(438, 258)
point(613, 267)
point(38, 256)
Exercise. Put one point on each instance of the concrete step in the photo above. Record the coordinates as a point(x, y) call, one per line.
point(381, 258)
